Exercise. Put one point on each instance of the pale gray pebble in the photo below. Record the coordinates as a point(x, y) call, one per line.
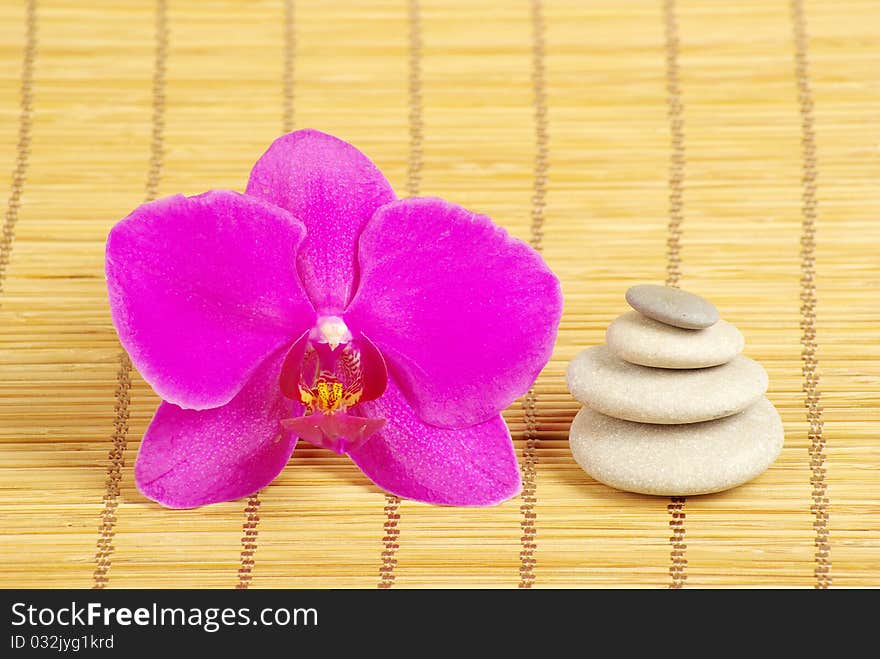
point(645, 341)
point(672, 306)
point(617, 388)
point(677, 460)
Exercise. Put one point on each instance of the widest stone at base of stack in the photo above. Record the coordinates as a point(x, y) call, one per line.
point(672, 408)
point(679, 460)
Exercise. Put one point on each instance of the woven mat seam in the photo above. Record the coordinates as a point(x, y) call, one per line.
point(676, 507)
point(116, 455)
point(23, 145)
point(391, 526)
point(529, 519)
point(809, 339)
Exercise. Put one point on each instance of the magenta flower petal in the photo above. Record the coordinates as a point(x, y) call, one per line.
point(473, 466)
point(465, 315)
point(202, 289)
point(333, 189)
point(191, 458)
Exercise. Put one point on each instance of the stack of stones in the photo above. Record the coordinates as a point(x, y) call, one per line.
point(672, 407)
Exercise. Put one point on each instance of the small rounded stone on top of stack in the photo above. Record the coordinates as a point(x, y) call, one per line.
point(672, 407)
point(672, 306)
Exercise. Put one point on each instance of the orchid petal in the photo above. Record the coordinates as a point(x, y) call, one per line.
point(333, 189)
point(202, 289)
point(190, 458)
point(473, 466)
point(465, 315)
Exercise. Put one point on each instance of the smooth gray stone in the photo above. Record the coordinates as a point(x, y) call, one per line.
point(697, 458)
point(642, 340)
point(672, 306)
point(617, 388)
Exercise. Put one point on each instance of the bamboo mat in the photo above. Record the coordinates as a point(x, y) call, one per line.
point(714, 116)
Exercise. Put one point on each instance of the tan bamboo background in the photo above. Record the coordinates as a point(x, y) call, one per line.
point(447, 91)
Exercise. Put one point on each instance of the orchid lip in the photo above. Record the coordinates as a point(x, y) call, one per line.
point(330, 371)
point(340, 433)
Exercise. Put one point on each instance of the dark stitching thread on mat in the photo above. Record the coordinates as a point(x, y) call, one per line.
point(391, 539)
point(530, 402)
point(23, 148)
point(250, 526)
point(249, 541)
point(809, 342)
point(678, 551)
point(416, 124)
point(116, 457)
point(289, 65)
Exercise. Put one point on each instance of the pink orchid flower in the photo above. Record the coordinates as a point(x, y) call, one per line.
point(318, 306)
